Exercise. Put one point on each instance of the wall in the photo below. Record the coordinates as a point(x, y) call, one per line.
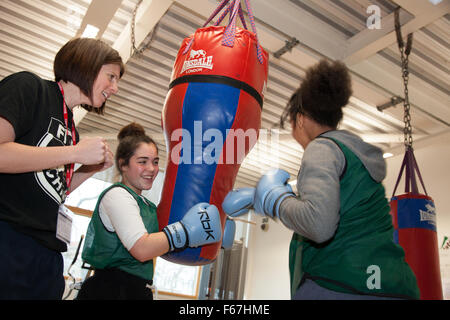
point(267, 267)
point(267, 271)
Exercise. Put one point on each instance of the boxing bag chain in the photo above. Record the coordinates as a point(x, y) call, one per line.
point(414, 214)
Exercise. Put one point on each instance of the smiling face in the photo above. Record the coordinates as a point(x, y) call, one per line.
point(142, 168)
point(105, 85)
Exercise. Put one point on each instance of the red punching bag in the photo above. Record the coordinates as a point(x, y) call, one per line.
point(414, 220)
point(414, 214)
point(211, 119)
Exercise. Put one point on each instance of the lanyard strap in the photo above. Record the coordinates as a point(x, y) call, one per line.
point(69, 167)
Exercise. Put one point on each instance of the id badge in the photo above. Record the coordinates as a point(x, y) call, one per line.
point(64, 225)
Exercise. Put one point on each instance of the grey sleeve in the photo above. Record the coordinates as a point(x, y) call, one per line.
point(314, 214)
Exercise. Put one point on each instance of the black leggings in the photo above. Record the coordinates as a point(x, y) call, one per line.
point(115, 284)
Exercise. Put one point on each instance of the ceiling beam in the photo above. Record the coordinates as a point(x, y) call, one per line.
point(147, 16)
point(370, 41)
point(99, 14)
point(422, 95)
point(287, 18)
point(418, 7)
point(292, 20)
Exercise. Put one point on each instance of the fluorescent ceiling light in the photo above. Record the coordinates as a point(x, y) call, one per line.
point(90, 31)
point(387, 155)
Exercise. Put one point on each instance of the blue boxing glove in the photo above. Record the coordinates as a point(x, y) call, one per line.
point(228, 234)
point(238, 201)
point(271, 190)
point(199, 226)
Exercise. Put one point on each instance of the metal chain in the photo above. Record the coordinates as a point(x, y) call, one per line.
point(134, 50)
point(404, 55)
point(133, 26)
point(408, 140)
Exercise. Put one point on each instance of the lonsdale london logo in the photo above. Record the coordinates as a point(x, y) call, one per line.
point(197, 61)
point(429, 215)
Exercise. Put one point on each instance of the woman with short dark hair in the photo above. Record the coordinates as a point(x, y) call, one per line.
point(38, 148)
point(80, 60)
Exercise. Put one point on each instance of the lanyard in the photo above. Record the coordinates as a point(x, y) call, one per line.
point(69, 167)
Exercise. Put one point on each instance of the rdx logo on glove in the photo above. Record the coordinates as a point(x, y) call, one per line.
point(204, 219)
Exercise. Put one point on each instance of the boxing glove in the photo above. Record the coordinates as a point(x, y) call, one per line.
point(270, 191)
point(238, 202)
point(199, 226)
point(228, 234)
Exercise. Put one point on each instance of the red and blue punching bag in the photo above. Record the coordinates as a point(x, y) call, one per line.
point(214, 100)
point(414, 220)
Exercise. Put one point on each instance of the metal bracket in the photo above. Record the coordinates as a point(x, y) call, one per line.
point(392, 103)
point(287, 47)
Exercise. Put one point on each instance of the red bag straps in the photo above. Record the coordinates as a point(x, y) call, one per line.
point(234, 9)
point(241, 15)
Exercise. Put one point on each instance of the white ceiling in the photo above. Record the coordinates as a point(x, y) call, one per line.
point(32, 31)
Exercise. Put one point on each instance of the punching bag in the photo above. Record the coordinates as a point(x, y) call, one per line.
point(414, 220)
point(211, 119)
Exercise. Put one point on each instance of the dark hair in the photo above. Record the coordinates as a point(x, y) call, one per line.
point(321, 96)
point(130, 137)
point(80, 60)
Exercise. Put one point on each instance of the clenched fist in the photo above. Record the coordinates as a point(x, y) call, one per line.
point(93, 151)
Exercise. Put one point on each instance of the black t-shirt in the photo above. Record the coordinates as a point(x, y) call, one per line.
point(29, 201)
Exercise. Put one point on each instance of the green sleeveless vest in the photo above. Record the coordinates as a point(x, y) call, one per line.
point(361, 258)
point(103, 249)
